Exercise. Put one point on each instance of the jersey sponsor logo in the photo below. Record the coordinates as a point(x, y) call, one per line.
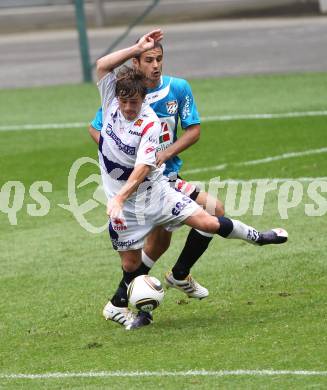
point(130, 150)
point(134, 133)
point(138, 122)
point(156, 96)
point(172, 107)
point(122, 244)
point(118, 224)
point(108, 128)
point(153, 96)
point(186, 109)
point(153, 139)
point(165, 134)
point(180, 206)
point(149, 150)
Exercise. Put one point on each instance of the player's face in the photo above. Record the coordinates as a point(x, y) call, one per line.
point(150, 64)
point(130, 106)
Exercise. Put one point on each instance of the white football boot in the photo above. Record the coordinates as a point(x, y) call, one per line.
point(189, 286)
point(122, 315)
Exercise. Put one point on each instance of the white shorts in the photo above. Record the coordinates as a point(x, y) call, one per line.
point(160, 205)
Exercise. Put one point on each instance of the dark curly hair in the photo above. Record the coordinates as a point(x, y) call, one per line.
point(130, 82)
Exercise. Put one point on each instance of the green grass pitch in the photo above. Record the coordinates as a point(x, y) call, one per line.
point(267, 306)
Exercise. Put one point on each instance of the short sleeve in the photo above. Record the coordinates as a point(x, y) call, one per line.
point(97, 120)
point(107, 86)
point(187, 110)
point(149, 142)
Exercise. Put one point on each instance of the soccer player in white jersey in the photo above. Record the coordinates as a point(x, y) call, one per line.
point(173, 101)
point(139, 196)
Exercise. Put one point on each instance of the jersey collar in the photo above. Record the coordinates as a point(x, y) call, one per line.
point(149, 90)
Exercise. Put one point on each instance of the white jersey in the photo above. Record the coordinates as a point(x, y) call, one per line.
point(125, 144)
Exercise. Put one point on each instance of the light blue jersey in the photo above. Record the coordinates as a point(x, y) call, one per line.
point(171, 100)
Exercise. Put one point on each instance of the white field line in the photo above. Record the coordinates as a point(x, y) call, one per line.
point(261, 180)
point(38, 126)
point(213, 168)
point(110, 374)
point(44, 126)
point(284, 156)
point(263, 116)
point(260, 161)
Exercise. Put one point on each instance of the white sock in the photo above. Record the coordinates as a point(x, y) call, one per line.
point(146, 260)
point(243, 232)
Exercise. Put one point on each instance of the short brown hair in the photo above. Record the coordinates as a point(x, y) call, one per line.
point(156, 45)
point(130, 82)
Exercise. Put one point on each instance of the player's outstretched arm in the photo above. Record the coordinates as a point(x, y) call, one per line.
point(111, 61)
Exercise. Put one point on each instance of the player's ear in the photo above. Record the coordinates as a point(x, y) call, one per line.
point(135, 62)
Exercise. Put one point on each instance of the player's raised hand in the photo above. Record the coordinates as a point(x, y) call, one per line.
point(148, 40)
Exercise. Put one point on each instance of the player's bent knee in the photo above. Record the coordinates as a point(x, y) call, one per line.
point(129, 266)
point(130, 262)
point(211, 225)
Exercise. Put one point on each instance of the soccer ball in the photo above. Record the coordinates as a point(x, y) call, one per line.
point(145, 293)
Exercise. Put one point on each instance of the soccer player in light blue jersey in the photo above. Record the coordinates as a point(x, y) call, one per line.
point(172, 100)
